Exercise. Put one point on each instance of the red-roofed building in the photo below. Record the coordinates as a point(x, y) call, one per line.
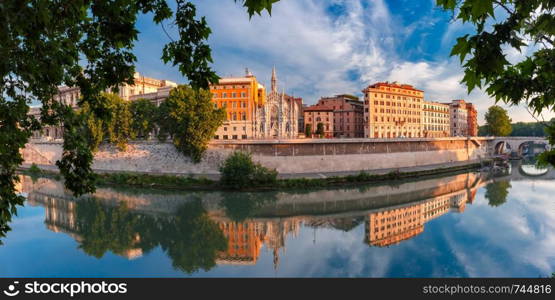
point(319, 114)
point(348, 115)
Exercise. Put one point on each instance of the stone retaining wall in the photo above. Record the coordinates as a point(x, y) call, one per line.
point(287, 156)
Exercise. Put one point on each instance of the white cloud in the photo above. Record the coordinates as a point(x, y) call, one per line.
point(317, 54)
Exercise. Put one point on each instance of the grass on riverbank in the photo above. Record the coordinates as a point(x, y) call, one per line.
point(193, 183)
point(147, 180)
point(364, 177)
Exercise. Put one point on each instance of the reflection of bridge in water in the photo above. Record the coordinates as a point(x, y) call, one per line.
point(390, 213)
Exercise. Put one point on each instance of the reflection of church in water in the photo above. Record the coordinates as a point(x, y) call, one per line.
point(246, 240)
point(279, 116)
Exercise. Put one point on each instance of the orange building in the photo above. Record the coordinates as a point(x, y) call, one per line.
point(319, 114)
point(244, 243)
point(392, 110)
point(472, 119)
point(240, 96)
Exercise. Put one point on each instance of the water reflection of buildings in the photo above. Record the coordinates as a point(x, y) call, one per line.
point(391, 213)
point(61, 217)
point(245, 239)
point(393, 225)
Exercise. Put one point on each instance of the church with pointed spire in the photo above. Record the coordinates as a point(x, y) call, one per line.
point(279, 117)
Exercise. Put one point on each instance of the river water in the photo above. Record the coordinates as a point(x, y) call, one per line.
point(457, 225)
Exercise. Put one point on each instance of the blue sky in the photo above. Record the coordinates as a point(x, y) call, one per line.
point(326, 47)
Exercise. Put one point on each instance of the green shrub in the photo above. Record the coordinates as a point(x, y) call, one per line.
point(263, 175)
point(34, 170)
point(239, 171)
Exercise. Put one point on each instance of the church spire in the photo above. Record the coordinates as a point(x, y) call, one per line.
point(274, 79)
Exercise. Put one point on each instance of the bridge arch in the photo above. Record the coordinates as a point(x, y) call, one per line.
point(529, 147)
point(501, 147)
point(516, 144)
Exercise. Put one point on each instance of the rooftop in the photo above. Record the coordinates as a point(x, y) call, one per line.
point(319, 108)
point(394, 85)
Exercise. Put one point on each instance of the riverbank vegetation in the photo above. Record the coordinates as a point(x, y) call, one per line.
point(239, 172)
point(237, 176)
point(522, 129)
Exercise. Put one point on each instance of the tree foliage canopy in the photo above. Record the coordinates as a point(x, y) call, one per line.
point(522, 129)
point(239, 171)
point(308, 130)
point(498, 122)
point(320, 129)
point(189, 117)
point(143, 117)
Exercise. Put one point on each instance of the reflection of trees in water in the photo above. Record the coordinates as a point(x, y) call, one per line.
point(105, 228)
point(190, 238)
point(497, 192)
point(241, 205)
point(9, 200)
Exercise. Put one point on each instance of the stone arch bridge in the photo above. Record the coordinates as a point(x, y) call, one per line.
point(517, 144)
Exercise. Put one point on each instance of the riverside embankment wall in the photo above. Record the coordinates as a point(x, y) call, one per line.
point(306, 156)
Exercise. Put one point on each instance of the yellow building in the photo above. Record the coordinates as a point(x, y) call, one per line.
point(240, 96)
point(435, 119)
point(392, 110)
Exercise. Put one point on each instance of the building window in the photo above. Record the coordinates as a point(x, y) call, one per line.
point(225, 137)
point(244, 136)
point(233, 95)
point(216, 137)
point(234, 136)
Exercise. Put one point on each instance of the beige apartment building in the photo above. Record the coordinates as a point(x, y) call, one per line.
point(153, 89)
point(392, 110)
point(459, 118)
point(435, 119)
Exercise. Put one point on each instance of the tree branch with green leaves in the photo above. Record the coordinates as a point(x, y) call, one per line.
point(515, 24)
